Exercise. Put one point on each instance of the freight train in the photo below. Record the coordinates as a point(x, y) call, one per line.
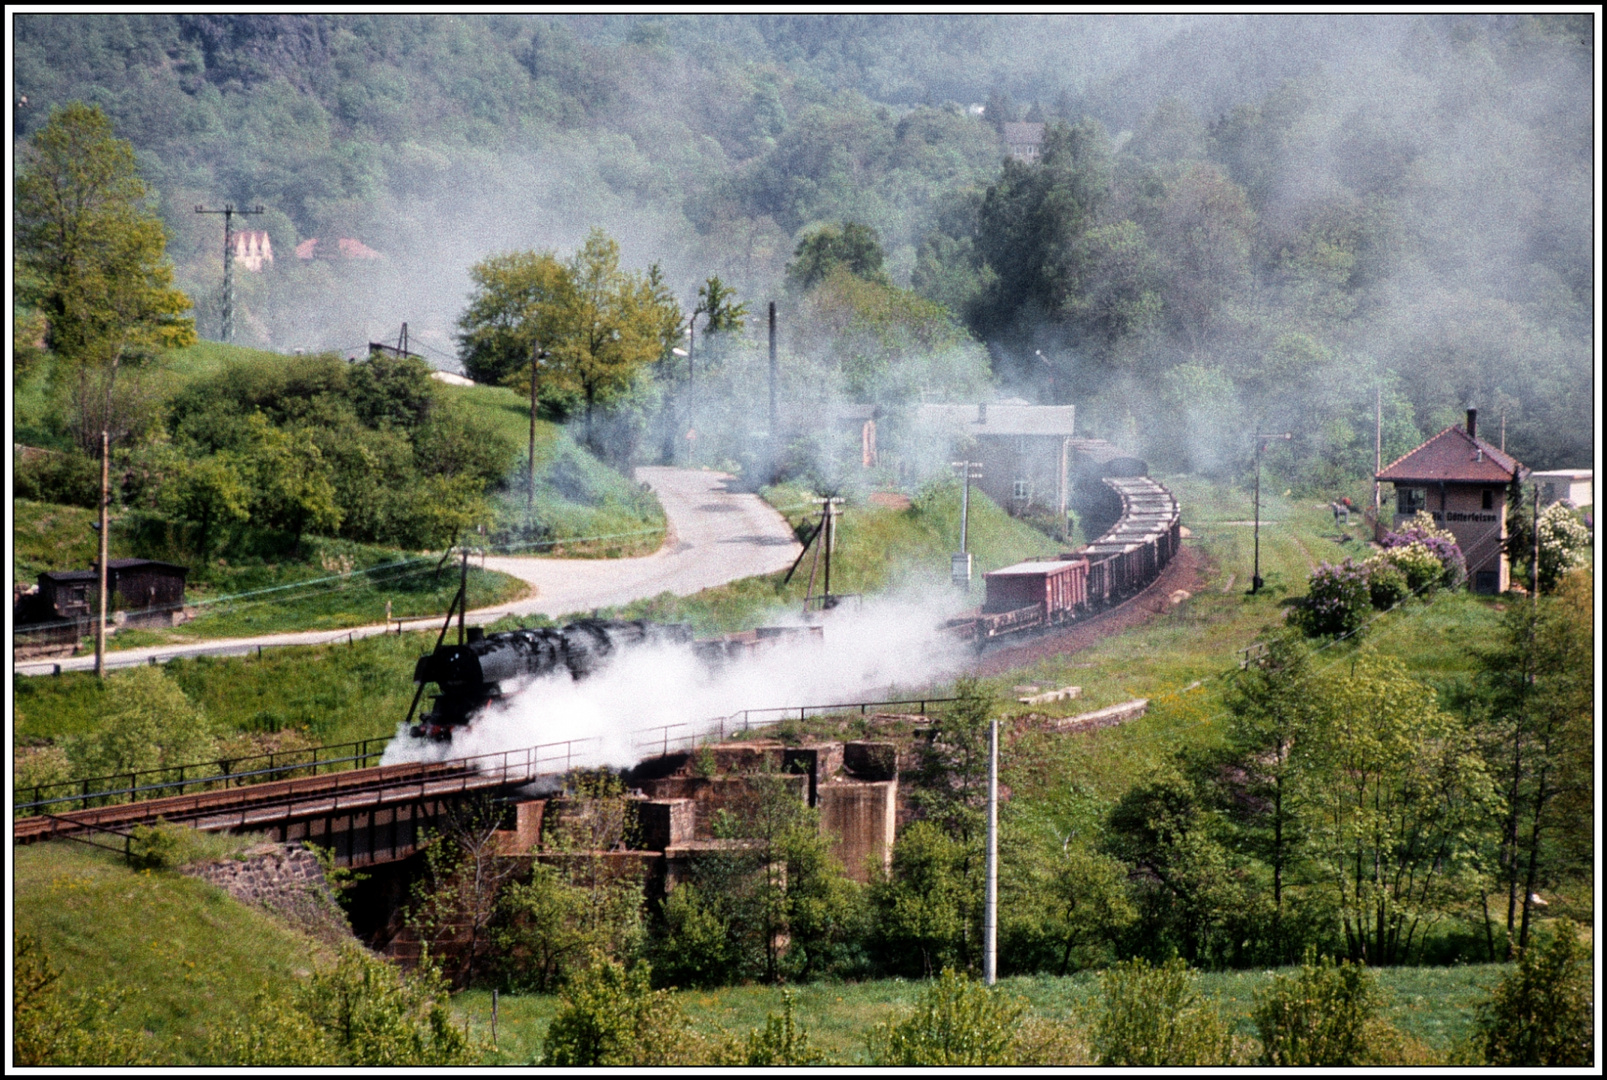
point(488, 668)
point(1054, 590)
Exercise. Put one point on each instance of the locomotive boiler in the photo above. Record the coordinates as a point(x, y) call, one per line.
point(491, 667)
point(486, 668)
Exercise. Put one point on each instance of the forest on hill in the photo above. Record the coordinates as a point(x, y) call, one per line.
point(1233, 221)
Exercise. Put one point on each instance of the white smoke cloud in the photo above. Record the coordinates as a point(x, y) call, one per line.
point(885, 649)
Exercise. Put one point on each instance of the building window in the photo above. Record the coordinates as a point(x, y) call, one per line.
point(1023, 490)
point(1489, 499)
point(1409, 500)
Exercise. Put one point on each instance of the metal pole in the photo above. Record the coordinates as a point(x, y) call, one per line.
point(105, 503)
point(774, 423)
point(965, 508)
point(530, 493)
point(228, 213)
point(463, 591)
point(1378, 448)
point(990, 910)
point(1255, 575)
point(1534, 569)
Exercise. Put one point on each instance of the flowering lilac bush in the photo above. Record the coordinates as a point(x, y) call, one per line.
point(1337, 600)
point(1423, 569)
point(1439, 543)
point(1387, 582)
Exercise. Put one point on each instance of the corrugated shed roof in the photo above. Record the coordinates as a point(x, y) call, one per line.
point(1455, 455)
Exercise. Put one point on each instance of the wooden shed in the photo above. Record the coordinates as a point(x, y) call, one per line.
point(133, 585)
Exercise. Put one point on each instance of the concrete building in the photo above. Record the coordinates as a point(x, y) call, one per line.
point(1461, 481)
point(1026, 451)
point(1578, 486)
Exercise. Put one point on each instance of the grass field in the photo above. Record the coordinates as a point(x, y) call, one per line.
point(1432, 1005)
point(577, 496)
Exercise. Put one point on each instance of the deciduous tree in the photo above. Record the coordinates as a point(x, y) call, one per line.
point(91, 257)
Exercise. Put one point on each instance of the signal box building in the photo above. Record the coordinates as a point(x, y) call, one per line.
point(1461, 481)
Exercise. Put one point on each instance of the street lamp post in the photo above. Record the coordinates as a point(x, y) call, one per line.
point(1260, 446)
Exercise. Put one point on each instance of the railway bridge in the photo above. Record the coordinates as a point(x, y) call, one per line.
point(364, 815)
point(339, 798)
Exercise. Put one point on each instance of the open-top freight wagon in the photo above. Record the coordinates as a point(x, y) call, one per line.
point(1054, 590)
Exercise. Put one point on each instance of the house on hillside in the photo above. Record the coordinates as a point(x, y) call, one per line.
point(344, 247)
point(1029, 455)
point(1461, 481)
point(252, 249)
point(1023, 141)
point(1578, 486)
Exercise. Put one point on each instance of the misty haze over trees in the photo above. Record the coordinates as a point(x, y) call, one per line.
point(1234, 220)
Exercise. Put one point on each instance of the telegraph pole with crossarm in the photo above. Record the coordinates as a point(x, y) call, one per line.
point(228, 213)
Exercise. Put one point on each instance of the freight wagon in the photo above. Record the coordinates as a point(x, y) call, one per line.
point(1054, 590)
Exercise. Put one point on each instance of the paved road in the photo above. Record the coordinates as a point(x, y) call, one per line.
point(715, 536)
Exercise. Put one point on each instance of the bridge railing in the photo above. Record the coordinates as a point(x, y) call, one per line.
point(219, 774)
point(433, 778)
point(107, 790)
point(691, 734)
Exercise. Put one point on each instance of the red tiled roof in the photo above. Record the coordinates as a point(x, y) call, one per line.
point(1453, 454)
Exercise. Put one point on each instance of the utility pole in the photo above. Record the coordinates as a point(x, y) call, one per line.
point(463, 592)
point(774, 423)
point(1260, 445)
point(990, 903)
point(960, 564)
point(105, 504)
point(1378, 448)
point(228, 213)
point(536, 354)
point(826, 602)
point(1533, 569)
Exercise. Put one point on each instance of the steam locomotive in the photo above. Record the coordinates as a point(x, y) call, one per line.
point(486, 668)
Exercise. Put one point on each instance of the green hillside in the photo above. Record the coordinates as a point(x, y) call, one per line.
point(188, 958)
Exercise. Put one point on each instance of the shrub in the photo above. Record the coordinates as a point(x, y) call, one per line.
point(1387, 583)
point(1541, 1014)
point(362, 1011)
point(50, 1027)
point(1439, 543)
point(1323, 1017)
point(1337, 599)
point(1154, 1016)
point(162, 846)
point(611, 1016)
point(43, 767)
point(1422, 569)
point(693, 949)
point(71, 479)
point(1564, 543)
point(958, 1021)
